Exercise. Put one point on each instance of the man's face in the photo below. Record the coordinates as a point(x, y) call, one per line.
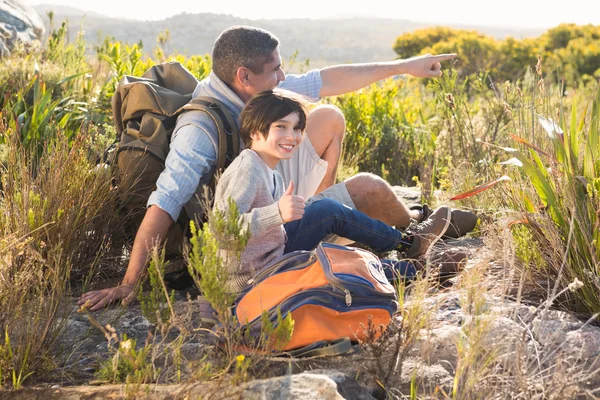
point(269, 78)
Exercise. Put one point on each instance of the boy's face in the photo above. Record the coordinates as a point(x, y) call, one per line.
point(269, 78)
point(282, 141)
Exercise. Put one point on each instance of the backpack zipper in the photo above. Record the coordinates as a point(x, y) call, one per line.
point(335, 281)
point(283, 306)
point(274, 267)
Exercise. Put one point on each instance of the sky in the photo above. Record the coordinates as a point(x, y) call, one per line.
point(521, 13)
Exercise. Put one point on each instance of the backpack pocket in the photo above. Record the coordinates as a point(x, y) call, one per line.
point(320, 315)
point(355, 272)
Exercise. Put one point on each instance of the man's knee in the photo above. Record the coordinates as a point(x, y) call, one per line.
point(327, 118)
point(367, 185)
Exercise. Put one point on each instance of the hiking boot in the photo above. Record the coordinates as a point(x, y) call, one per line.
point(461, 223)
point(429, 231)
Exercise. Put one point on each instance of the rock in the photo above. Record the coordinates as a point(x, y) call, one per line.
point(426, 376)
point(305, 386)
point(299, 387)
point(410, 195)
point(19, 22)
point(348, 387)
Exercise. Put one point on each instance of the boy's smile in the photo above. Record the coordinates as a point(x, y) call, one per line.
point(282, 140)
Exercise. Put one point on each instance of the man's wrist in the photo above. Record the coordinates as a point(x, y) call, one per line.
point(401, 67)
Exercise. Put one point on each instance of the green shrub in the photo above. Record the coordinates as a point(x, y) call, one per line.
point(157, 304)
point(386, 132)
point(129, 364)
point(211, 272)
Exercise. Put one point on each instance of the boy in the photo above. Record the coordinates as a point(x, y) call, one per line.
point(271, 126)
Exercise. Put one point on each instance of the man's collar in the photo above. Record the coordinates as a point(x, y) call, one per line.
point(223, 88)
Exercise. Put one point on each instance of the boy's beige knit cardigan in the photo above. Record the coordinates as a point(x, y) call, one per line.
point(247, 182)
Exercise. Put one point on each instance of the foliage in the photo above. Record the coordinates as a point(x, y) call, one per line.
point(385, 131)
point(556, 189)
point(215, 257)
point(157, 303)
point(572, 50)
point(566, 178)
point(129, 364)
point(57, 224)
point(39, 120)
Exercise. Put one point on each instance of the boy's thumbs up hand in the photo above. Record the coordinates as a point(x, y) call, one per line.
point(291, 207)
point(290, 188)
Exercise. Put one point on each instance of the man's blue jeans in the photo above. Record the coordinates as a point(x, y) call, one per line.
point(325, 217)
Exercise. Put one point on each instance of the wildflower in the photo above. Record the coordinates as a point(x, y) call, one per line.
point(576, 284)
point(240, 358)
point(126, 345)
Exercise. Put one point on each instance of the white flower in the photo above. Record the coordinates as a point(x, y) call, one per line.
point(126, 345)
point(576, 284)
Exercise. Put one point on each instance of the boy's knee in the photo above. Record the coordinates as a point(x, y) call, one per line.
point(330, 208)
point(325, 204)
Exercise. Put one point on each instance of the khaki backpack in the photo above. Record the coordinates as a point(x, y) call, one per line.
point(145, 110)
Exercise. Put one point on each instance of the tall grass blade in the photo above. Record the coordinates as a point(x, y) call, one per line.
point(480, 188)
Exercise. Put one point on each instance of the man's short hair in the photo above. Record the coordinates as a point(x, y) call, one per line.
point(242, 46)
point(269, 106)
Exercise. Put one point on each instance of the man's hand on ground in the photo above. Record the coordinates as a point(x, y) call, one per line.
point(98, 299)
point(426, 66)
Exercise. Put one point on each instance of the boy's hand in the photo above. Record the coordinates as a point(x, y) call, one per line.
point(291, 207)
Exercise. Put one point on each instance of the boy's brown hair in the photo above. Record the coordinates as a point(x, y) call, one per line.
point(269, 106)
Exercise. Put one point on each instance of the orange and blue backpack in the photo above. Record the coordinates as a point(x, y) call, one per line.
point(331, 292)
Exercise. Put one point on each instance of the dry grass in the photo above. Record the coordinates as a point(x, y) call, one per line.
point(57, 225)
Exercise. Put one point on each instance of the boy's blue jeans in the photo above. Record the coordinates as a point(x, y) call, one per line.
point(325, 217)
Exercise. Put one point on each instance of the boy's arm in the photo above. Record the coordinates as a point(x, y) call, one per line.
point(261, 219)
point(244, 186)
point(340, 79)
point(153, 229)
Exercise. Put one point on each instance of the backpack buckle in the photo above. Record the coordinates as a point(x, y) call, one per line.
point(213, 106)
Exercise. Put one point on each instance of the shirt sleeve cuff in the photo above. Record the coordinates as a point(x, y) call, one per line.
point(273, 216)
point(315, 76)
point(166, 204)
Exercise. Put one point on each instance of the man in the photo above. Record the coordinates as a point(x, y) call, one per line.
point(245, 61)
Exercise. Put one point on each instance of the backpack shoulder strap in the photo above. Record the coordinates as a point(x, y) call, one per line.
point(323, 348)
point(229, 138)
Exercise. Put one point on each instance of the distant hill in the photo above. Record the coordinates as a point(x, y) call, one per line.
point(324, 41)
